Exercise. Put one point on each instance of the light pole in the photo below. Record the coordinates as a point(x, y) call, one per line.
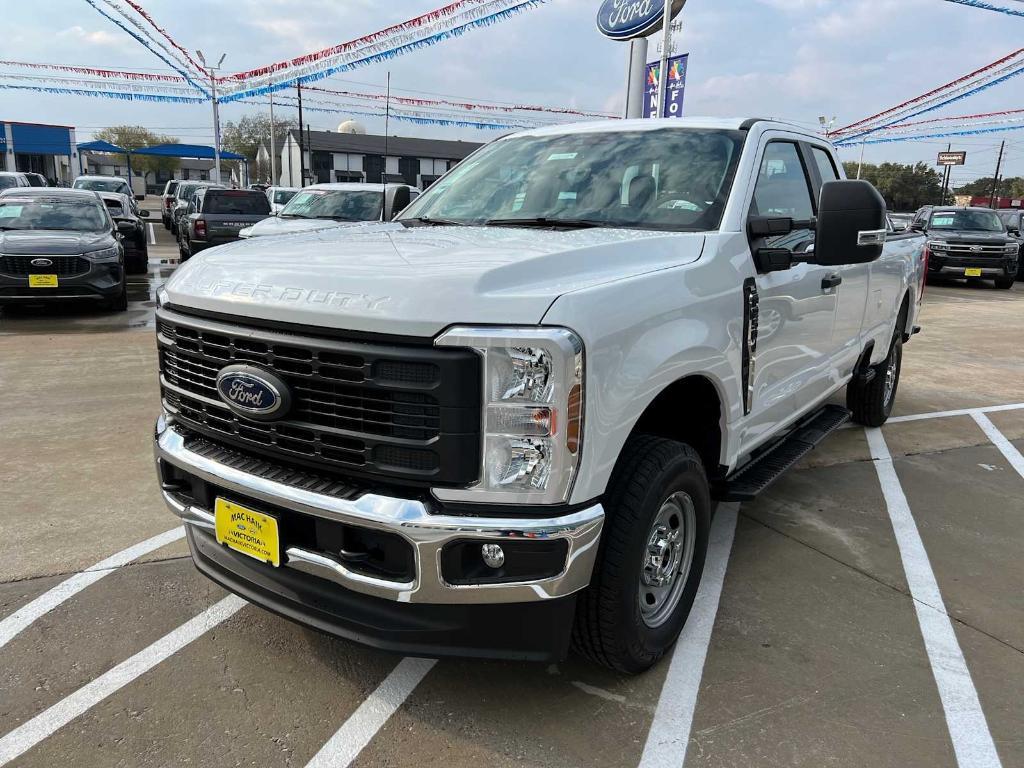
point(216, 113)
point(273, 149)
point(666, 44)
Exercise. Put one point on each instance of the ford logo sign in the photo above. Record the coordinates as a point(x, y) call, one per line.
point(42, 262)
point(253, 392)
point(627, 19)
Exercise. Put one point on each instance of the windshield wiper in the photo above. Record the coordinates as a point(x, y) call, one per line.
point(543, 221)
point(432, 222)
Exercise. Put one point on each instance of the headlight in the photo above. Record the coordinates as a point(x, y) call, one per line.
point(107, 254)
point(532, 413)
point(1012, 249)
point(937, 245)
point(162, 297)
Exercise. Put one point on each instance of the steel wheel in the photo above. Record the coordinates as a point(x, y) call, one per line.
point(891, 374)
point(668, 558)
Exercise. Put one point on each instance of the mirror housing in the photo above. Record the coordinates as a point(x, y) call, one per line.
point(125, 226)
point(140, 198)
point(851, 223)
point(916, 226)
point(399, 201)
point(144, 214)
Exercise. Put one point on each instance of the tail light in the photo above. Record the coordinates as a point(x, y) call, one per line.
point(200, 228)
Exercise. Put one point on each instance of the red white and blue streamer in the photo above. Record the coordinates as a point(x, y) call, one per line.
point(987, 7)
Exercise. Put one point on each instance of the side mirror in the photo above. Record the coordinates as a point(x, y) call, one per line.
point(140, 198)
point(401, 200)
point(916, 226)
point(851, 223)
point(125, 226)
point(1013, 231)
point(144, 214)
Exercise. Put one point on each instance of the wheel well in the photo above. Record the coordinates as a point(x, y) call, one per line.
point(689, 411)
point(903, 316)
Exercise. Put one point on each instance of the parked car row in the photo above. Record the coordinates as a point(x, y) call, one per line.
point(9, 179)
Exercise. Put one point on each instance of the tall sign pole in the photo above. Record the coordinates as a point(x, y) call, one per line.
point(632, 21)
point(216, 112)
point(273, 149)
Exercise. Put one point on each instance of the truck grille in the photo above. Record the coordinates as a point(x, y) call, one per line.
point(63, 266)
point(405, 412)
point(965, 249)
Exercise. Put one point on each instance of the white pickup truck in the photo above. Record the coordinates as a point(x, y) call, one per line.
point(497, 426)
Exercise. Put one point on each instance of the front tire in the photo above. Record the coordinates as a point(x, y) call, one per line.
point(1005, 282)
point(651, 556)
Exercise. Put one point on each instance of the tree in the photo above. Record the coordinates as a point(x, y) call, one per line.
point(245, 136)
point(1008, 187)
point(904, 187)
point(135, 137)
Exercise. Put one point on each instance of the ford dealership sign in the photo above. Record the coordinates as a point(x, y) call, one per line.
point(626, 19)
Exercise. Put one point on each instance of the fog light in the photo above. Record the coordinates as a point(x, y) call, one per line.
point(493, 555)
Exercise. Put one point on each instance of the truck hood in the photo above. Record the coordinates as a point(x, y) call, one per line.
point(275, 225)
point(56, 242)
point(969, 236)
point(386, 278)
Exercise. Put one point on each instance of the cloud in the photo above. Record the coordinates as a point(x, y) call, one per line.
point(91, 36)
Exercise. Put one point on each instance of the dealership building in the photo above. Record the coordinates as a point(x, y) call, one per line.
point(39, 148)
point(353, 155)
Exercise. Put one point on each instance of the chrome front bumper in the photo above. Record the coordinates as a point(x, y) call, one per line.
point(427, 533)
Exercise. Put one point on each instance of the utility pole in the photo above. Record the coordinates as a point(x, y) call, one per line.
point(216, 112)
point(273, 151)
point(860, 163)
point(387, 116)
point(995, 181)
point(302, 159)
point(945, 177)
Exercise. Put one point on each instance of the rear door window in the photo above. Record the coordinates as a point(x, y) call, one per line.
point(239, 203)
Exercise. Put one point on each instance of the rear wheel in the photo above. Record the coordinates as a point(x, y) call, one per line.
point(651, 556)
point(871, 402)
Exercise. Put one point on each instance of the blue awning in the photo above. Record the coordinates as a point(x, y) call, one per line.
point(196, 151)
point(101, 146)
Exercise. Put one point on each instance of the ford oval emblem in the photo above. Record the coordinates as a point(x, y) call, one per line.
point(42, 262)
point(253, 392)
point(627, 19)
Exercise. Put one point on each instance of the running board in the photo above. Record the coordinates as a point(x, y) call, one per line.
point(757, 475)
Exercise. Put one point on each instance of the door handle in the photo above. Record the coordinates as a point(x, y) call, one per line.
point(831, 281)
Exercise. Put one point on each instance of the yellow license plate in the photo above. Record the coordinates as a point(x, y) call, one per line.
point(247, 531)
point(972, 273)
point(42, 281)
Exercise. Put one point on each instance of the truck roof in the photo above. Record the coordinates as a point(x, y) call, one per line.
point(647, 124)
point(350, 186)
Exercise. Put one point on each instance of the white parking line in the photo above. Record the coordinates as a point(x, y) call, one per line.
point(356, 732)
point(152, 234)
point(669, 736)
point(1008, 449)
point(958, 412)
point(31, 732)
point(71, 586)
point(968, 728)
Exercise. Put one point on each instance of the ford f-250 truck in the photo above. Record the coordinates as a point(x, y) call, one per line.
point(497, 426)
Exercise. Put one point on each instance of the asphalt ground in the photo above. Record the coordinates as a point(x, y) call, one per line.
point(866, 611)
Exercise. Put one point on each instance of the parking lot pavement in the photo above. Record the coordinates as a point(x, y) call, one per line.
point(829, 644)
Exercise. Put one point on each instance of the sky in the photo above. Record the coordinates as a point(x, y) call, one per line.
point(795, 59)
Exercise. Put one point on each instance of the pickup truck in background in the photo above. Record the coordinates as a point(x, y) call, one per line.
point(323, 206)
point(215, 216)
point(497, 426)
point(968, 243)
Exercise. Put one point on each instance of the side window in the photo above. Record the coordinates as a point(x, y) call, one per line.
point(782, 190)
point(826, 168)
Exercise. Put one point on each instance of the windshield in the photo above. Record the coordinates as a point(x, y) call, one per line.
point(101, 185)
point(1010, 218)
point(242, 203)
point(339, 204)
point(171, 187)
point(672, 179)
point(282, 196)
point(43, 213)
point(975, 221)
point(7, 182)
point(185, 191)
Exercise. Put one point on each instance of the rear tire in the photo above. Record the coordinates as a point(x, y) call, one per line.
point(871, 403)
point(1005, 282)
point(651, 556)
